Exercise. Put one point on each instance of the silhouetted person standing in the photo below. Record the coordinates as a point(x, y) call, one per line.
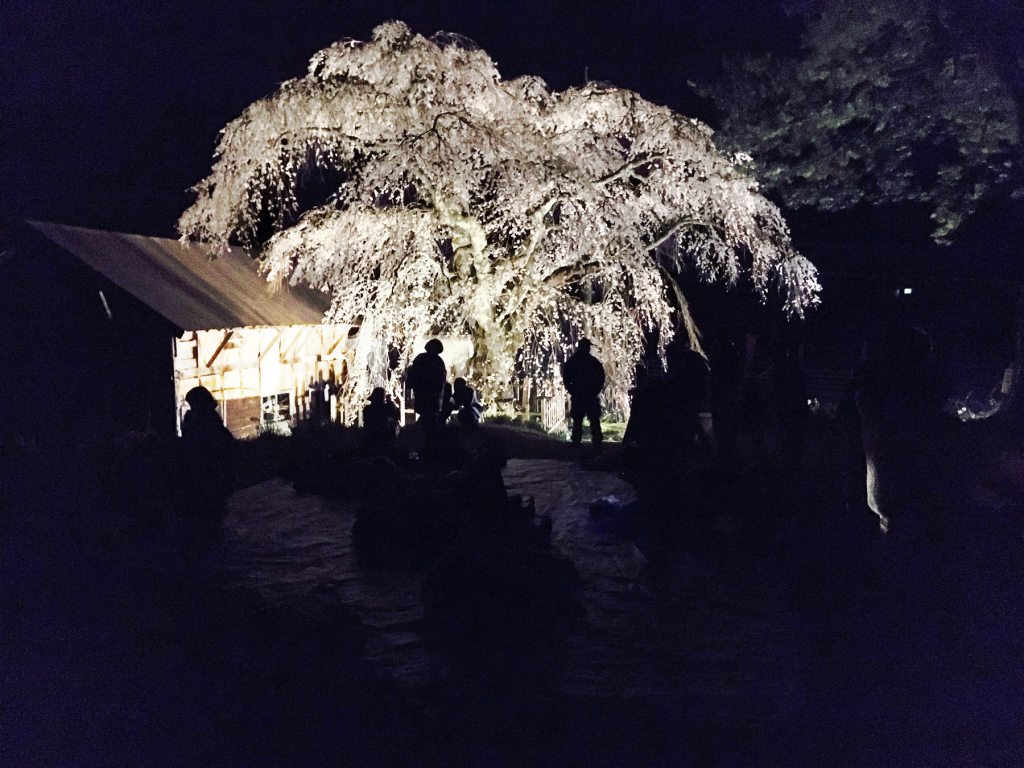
point(319, 399)
point(687, 379)
point(380, 422)
point(583, 376)
point(208, 457)
point(427, 376)
point(447, 404)
point(848, 420)
point(900, 404)
point(726, 393)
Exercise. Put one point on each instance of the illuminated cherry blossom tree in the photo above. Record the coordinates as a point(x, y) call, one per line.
point(454, 202)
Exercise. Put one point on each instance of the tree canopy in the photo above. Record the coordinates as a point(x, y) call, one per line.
point(891, 101)
point(431, 197)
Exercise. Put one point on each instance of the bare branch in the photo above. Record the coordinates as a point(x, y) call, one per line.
point(671, 230)
point(628, 168)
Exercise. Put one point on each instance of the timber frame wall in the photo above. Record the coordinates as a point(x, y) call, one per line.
point(260, 375)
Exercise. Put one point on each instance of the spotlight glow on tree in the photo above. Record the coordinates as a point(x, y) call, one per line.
point(459, 203)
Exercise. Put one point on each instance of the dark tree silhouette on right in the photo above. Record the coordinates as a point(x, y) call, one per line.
point(890, 101)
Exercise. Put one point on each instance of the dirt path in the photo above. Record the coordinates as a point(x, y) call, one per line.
point(722, 650)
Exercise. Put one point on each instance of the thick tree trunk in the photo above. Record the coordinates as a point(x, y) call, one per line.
point(491, 368)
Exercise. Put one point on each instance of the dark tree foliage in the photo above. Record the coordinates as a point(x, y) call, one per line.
point(891, 101)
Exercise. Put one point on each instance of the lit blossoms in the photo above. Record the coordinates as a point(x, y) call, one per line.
point(463, 204)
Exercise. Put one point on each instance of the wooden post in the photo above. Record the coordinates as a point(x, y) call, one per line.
point(174, 379)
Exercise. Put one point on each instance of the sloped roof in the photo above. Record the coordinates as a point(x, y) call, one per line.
point(184, 285)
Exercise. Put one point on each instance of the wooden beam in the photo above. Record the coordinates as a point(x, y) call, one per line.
point(300, 359)
point(174, 380)
point(302, 332)
point(224, 342)
point(245, 365)
point(342, 335)
point(270, 346)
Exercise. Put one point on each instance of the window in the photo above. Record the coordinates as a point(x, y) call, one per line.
point(276, 408)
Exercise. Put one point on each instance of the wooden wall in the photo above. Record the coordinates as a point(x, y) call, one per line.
point(247, 368)
point(251, 371)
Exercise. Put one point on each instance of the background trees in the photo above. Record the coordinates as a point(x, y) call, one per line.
point(891, 101)
point(429, 196)
point(896, 102)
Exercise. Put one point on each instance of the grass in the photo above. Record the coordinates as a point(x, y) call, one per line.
point(270, 454)
point(613, 431)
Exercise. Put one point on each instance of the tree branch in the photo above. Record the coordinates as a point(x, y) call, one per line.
point(563, 275)
point(628, 168)
point(686, 319)
point(670, 230)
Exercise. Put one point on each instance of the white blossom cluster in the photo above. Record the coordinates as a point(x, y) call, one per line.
point(460, 203)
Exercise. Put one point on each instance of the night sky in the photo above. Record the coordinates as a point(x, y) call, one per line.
point(110, 112)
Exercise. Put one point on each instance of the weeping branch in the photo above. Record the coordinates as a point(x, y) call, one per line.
point(628, 169)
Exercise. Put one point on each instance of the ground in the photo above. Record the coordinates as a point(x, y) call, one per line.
point(762, 627)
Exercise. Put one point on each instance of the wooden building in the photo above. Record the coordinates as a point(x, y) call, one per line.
point(257, 350)
point(262, 376)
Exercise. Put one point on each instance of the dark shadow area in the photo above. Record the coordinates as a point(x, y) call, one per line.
point(763, 622)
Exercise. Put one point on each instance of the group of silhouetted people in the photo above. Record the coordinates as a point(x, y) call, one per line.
point(434, 400)
point(320, 391)
point(664, 423)
point(890, 412)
